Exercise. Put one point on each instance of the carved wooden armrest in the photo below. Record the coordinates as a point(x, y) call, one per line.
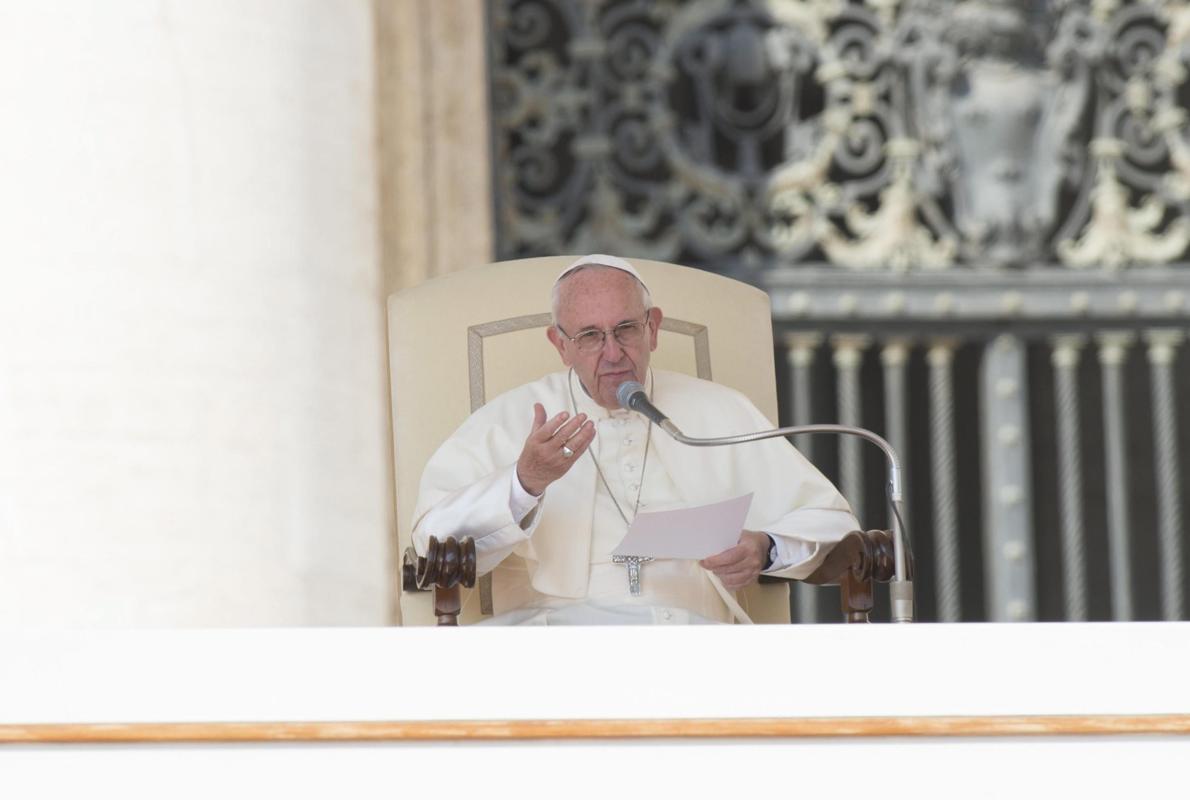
point(856, 564)
point(446, 565)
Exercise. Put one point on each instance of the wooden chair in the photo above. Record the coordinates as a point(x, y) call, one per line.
point(460, 339)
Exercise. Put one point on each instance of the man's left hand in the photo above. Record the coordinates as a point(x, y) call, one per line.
point(739, 565)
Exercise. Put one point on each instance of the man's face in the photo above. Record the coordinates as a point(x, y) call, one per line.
point(600, 298)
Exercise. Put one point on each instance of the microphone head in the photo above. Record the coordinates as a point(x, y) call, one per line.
point(625, 393)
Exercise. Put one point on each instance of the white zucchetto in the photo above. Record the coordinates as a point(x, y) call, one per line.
point(600, 260)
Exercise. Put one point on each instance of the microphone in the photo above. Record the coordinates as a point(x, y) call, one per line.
point(631, 395)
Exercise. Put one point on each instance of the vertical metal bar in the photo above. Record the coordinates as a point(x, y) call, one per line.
point(1065, 357)
point(1163, 346)
point(940, 357)
point(800, 351)
point(1009, 553)
point(895, 356)
point(848, 358)
point(1113, 350)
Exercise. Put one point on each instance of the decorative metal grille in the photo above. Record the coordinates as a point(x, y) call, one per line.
point(914, 135)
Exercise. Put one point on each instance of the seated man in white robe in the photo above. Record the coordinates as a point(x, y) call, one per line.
point(548, 477)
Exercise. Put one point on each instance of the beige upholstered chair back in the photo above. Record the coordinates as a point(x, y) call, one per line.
point(458, 340)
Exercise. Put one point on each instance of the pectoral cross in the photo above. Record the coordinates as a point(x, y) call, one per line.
point(633, 564)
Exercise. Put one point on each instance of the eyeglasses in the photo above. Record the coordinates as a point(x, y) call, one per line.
point(627, 334)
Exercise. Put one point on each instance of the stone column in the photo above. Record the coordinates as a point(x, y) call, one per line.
point(435, 141)
point(193, 418)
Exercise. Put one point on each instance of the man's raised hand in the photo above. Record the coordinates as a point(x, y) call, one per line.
point(551, 448)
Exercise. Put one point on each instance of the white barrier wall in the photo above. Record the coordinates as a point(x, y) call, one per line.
point(192, 382)
point(1061, 710)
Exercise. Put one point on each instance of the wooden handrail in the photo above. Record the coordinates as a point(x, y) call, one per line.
point(487, 730)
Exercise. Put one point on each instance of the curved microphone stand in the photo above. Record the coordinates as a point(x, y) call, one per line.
point(632, 396)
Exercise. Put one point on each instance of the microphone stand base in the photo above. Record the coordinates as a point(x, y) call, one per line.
point(901, 595)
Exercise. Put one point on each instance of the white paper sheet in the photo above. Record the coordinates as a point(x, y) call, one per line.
point(686, 532)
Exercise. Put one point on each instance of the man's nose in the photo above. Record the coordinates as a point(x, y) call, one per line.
point(612, 349)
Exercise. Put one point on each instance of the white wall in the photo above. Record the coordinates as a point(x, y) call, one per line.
point(192, 380)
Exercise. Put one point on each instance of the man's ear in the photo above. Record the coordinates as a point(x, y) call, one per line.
point(655, 316)
point(558, 342)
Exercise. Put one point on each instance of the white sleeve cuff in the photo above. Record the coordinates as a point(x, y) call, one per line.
point(789, 551)
point(520, 502)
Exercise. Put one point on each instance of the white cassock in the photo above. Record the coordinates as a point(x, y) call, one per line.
point(554, 565)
